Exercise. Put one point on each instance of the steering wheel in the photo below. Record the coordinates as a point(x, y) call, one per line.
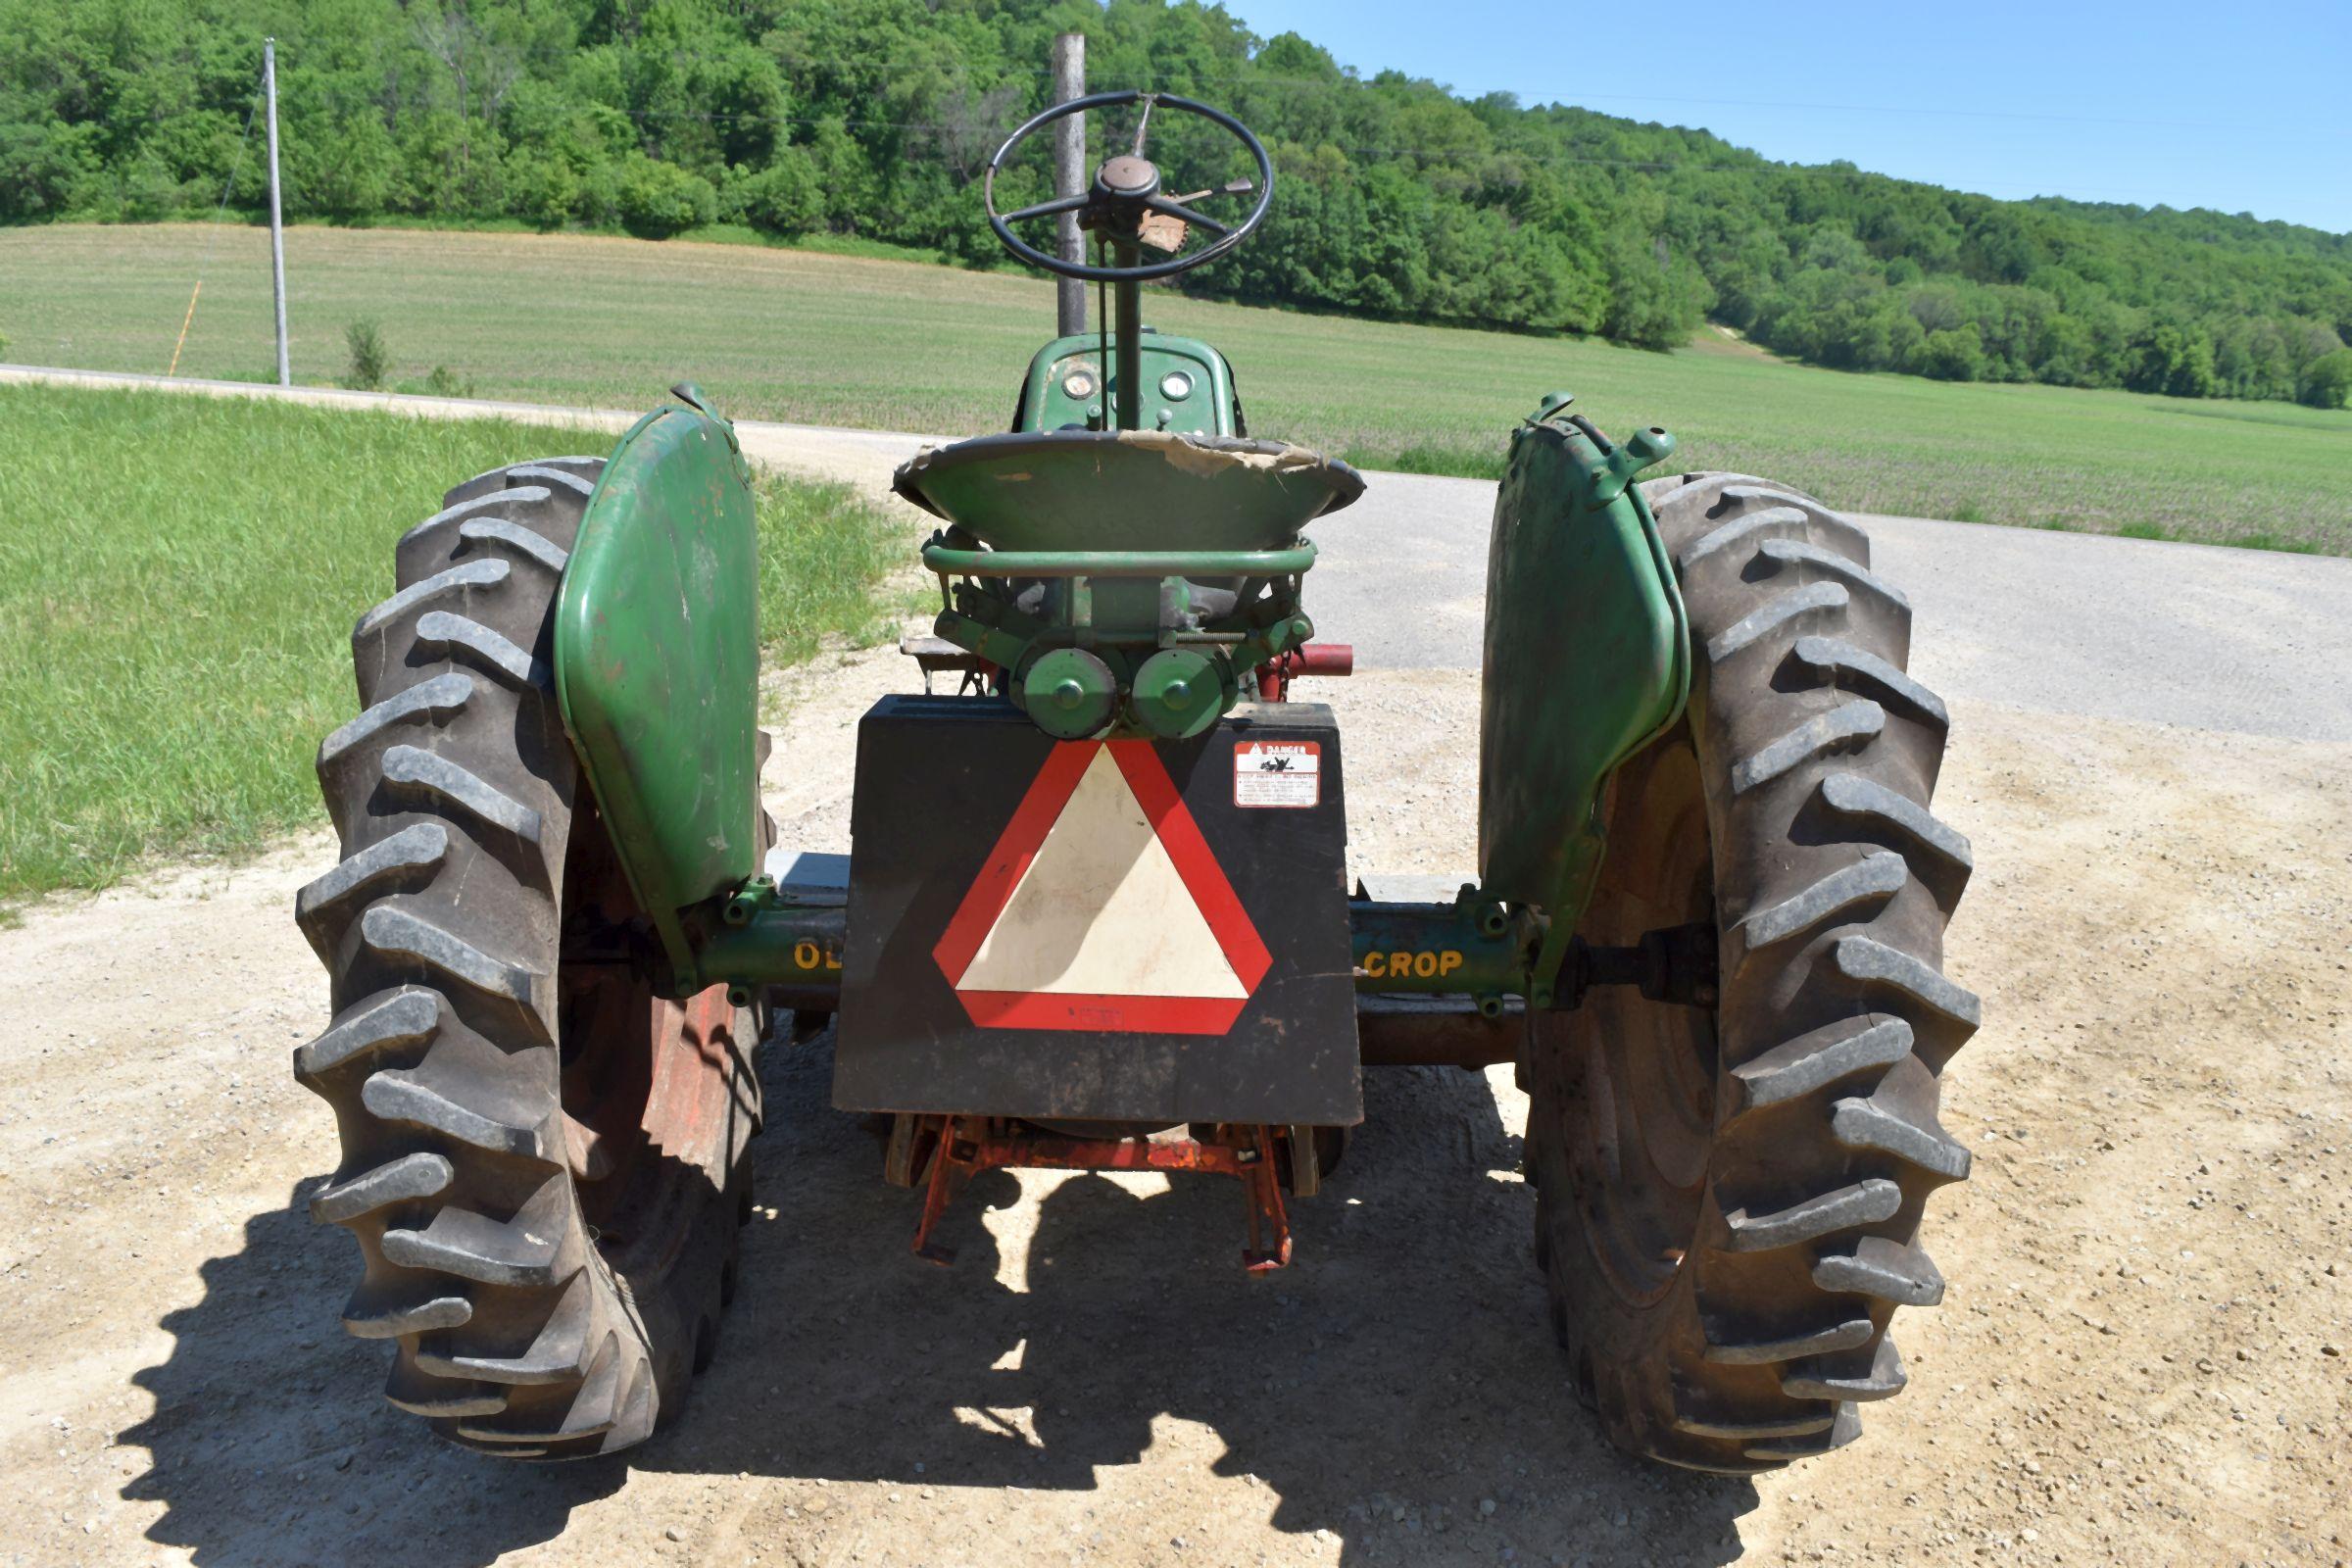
point(1126, 188)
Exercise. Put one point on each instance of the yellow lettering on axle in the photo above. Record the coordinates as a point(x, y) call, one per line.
point(1403, 965)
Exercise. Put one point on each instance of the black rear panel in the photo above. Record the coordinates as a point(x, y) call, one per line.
point(1142, 931)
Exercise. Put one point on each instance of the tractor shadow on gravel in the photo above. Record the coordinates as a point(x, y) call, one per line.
point(1396, 1378)
point(1402, 1365)
point(271, 1445)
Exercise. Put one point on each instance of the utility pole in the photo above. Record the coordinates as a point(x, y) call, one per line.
point(278, 225)
point(1069, 176)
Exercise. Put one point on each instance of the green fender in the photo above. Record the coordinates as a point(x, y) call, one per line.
point(656, 659)
point(1586, 659)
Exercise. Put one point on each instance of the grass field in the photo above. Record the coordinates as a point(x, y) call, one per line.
point(843, 340)
point(178, 578)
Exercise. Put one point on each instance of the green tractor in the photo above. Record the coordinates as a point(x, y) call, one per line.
point(1096, 912)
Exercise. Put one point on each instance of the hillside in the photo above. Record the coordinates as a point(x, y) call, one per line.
point(1399, 200)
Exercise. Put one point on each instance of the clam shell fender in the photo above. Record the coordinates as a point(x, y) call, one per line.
point(1586, 659)
point(656, 663)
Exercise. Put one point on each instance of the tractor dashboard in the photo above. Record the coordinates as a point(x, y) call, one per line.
point(1186, 387)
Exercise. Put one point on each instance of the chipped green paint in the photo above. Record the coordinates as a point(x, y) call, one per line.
point(1186, 387)
point(657, 657)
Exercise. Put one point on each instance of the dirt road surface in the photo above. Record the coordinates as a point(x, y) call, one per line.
point(2145, 1355)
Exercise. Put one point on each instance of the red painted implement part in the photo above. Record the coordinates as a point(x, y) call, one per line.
point(967, 1145)
point(1309, 659)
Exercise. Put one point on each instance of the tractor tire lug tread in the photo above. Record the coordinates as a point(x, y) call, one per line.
point(1865, 1203)
point(1739, 528)
point(399, 1181)
point(486, 574)
point(1829, 1378)
point(1877, 875)
point(1948, 857)
point(416, 771)
point(1754, 627)
point(441, 696)
point(453, 791)
point(1868, 1127)
point(440, 631)
point(1840, 663)
point(515, 536)
point(398, 1097)
point(1842, 1428)
point(1847, 725)
point(1816, 753)
point(366, 1318)
point(1870, 962)
point(322, 907)
point(1889, 1270)
point(408, 1016)
point(397, 933)
point(1828, 1056)
point(1803, 554)
point(455, 510)
point(1845, 1336)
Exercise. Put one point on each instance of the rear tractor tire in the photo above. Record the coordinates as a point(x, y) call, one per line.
point(543, 1160)
point(1729, 1198)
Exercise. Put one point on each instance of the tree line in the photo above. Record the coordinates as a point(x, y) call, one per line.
point(1398, 199)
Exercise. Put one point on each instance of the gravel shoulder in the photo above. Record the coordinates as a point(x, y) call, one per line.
point(2141, 1357)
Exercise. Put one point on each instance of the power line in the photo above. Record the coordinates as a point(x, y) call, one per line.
point(204, 261)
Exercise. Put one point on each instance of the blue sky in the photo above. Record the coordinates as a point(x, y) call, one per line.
point(2243, 107)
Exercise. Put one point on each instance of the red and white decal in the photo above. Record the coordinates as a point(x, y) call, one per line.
point(1278, 774)
point(1101, 907)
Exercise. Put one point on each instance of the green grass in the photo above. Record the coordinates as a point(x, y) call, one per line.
point(792, 334)
point(178, 578)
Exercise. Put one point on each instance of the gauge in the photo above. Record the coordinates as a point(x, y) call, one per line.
point(1175, 386)
point(1078, 385)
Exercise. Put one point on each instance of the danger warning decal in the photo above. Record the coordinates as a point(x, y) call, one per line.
point(1101, 907)
point(1277, 773)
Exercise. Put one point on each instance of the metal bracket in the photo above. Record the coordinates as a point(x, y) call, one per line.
point(967, 1145)
point(766, 937)
point(1675, 964)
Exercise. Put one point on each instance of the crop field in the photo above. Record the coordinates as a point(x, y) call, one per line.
point(179, 577)
point(831, 339)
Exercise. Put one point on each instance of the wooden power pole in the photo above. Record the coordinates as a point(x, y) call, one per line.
point(1069, 176)
point(277, 223)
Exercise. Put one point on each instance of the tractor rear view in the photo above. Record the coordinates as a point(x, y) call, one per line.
point(1097, 914)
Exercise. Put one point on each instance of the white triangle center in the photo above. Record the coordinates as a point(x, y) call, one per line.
point(1101, 909)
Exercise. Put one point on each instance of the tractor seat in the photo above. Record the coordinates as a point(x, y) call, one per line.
point(1099, 490)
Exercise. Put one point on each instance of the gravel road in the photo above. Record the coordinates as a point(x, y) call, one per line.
point(2145, 1355)
point(2240, 640)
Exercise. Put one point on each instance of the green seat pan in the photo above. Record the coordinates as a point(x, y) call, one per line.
point(1085, 490)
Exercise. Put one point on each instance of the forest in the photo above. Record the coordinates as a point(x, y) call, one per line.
point(1398, 198)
